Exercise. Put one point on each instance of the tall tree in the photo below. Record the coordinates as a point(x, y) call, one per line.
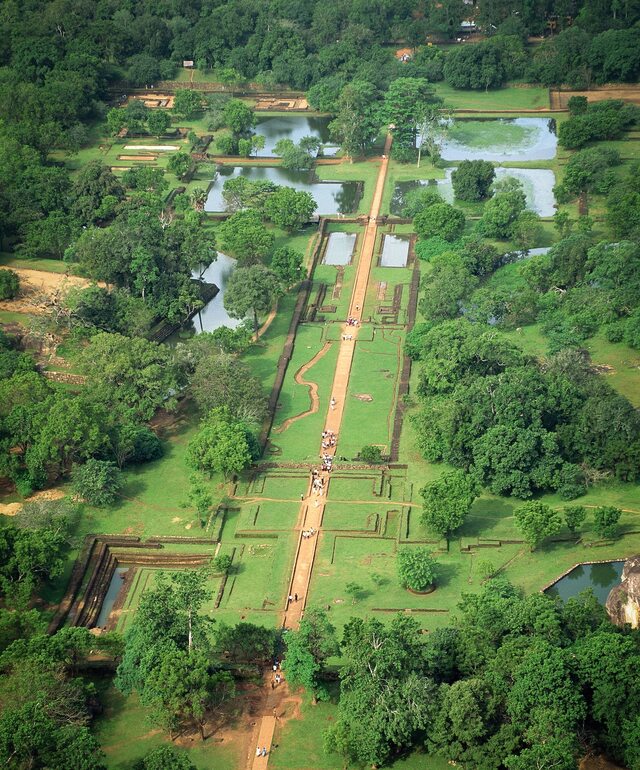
point(251, 290)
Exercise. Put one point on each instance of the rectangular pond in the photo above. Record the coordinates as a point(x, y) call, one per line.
point(339, 248)
point(294, 127)
point(395, 250)
point(600, 578)
point(331, 197)
point(110, 597)
point(537, 184)
point(501, 139)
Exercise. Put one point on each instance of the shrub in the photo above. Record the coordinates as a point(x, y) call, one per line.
point(221, 564)
point(472, 180)
point(440, 220)
point(371, 454)
point(9, 284)
point(97, 481)
point(606, 520)
point(416, 568)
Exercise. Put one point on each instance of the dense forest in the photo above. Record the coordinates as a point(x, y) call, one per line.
point(513, 681)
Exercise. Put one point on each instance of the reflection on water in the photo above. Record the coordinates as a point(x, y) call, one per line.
point(213, 313)
point(395, 251)
point(331, 197)
point(501, 139)
point(601, 578)
point(537, 185)
point(293, 127)
point(339, 250)
point(112, 592)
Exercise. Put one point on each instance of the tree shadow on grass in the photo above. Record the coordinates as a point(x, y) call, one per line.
point(485, 514)
point(445, 574)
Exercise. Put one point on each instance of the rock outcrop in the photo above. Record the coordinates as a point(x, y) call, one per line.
point(623, 603)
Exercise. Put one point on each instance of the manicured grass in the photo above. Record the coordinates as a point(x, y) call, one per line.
point(374, 373)
point(301, 439)
point(510, 99)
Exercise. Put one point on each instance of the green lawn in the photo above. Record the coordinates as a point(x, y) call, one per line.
point(371, 397)
point(510, 99)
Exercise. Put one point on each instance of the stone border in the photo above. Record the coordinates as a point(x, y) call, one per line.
point(579, 564)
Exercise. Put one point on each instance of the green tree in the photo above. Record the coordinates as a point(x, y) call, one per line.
point(289, 209)
point(357, 118)
point(308, 649)
point(237, 116)
point(449, 282)
point(536, 521)
point(472, 180)
point(439, 220)
point(223, 445)
point(180, 164)
point(187, 103)
point(165, 758)
point(574, 516)
point(405, 103)
point(223, 380)
point(447, 501)
point(131, 374)
point(502, 211)
point(606, 518)
point(475, 66)
point(371, 454)
point(98, 482)
point(297, 157)
point(246, 237)
point(200, 496)
point(9, 284)
point(246, 643)
point(158, 122)
point(287, 264)
point(251, 290)
point(417, 568)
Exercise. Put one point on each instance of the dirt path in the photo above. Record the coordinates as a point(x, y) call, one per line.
point(312, 506)
point(37, 282)
point(313, 389)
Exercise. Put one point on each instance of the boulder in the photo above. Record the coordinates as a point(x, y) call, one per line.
point(623, 602)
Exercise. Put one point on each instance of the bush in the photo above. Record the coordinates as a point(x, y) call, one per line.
point(221, 564)
point(428, 248)
point(9, 284)
point(472, 180)
point(440, 220)
point(606, 520)
point(371, 454)
point(416, 568)
point(97, 481)
point(146, 446)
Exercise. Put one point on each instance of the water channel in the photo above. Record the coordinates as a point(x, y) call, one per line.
point(601, 578)
point(294, 127)
point(110, 597)
point(331, 197)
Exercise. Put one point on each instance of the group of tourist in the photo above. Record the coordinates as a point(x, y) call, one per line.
point(307, 533)
point(317, 485)
point(351, 321)
point(327, 462)
point(329, 439)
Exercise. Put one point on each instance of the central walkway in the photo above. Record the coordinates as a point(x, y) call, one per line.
point(312, 506)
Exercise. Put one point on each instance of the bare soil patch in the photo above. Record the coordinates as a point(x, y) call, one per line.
point(37, 282)
point(631, 93)
point(363, 397)
point(11, 509)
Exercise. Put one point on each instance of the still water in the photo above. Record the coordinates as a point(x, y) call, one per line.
point(537, 185)
point(601, 578)
point(213, 313)
point(501, 139)
point(395, 251)
point(331, 197)
point(339, 249)
point(112, 592)
point(293, 127)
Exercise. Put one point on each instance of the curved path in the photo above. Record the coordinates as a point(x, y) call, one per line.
point(313, 389)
